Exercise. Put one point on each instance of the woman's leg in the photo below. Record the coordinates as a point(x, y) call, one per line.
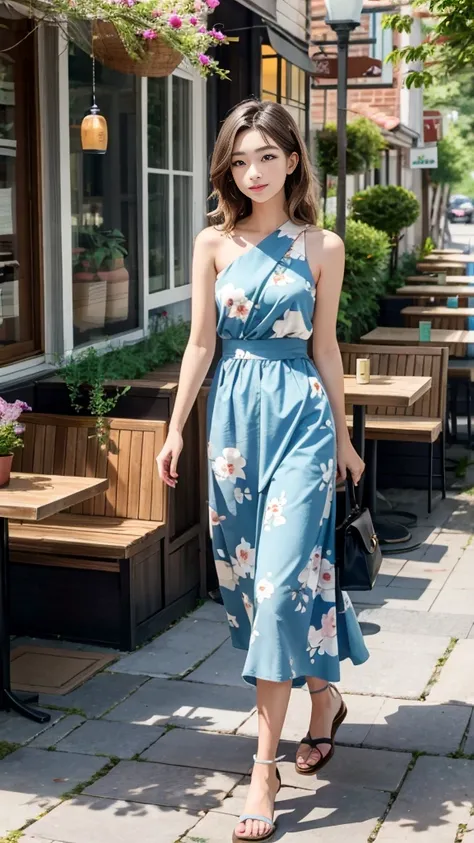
point(326, 702)
point(272, 704)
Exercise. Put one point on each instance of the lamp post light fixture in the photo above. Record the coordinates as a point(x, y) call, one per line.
point(343, 16)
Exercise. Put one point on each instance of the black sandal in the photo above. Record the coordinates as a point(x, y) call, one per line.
point(315, 742)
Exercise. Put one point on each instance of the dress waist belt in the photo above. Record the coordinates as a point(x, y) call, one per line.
point(277, 349)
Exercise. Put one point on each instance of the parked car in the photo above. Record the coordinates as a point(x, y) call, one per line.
point(461, 209)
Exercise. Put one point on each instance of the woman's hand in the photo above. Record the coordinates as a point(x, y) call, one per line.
point(167, 459)
point(348, 460)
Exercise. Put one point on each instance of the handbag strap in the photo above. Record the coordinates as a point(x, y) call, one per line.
point(352, 492)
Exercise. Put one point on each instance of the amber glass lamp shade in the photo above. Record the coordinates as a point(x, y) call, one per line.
point(94, 134)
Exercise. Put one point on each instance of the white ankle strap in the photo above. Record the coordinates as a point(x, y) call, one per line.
point(262, 761)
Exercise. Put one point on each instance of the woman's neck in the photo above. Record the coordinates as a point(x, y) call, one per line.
point(268, 216)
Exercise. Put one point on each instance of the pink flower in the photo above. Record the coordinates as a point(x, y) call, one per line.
point(202, 30)
point(217, 34)
point(193, 20)
point(12, 412)
point(213, 4)
point(149, 34)
point(205, 60)
point(198, 5)
point(175, 21)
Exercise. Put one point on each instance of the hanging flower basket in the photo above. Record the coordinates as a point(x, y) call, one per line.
point(159, 58)
point(143, 37)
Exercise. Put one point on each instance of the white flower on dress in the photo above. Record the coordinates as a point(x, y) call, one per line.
point(280, 278)
point(244, 563)
point(316, 387)
point(328, 504)
point(236, 301)
point(226, 575)
point(290, 229)
point(309, 576)
point(240, 494)
point(274, 512)
point(214, 519)
point(324, 640)
point(291, 325)
point(264, 590)
point(327, 581)
point(327, 473)
point(242, 354)
point(255, 634)
point(248, 606)
point(232, 621)
point(210, 450)
point(311, 288)
point(230, 465)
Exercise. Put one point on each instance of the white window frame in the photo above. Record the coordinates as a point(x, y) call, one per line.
point(198, 174)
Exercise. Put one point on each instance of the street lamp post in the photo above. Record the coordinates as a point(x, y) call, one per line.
point(342, 16)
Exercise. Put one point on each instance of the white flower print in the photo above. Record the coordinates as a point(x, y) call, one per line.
point(214, 519)
point(309, 576)
point(324, 640)
point(264, 590)
point(327, 581)
point(226, 575)
point(327, 473)
point(242, 354)
point(232, 621)
point(244, 563)
point(290, 229)
point(236, 301)
point(311, 288)
point(248, 606)
point(316, 387)
point(328, 504)
point(280, 278)
point(230, 465)
point(291, 325)
point(255, 634)
point(274, 512)
point(240, 494)
point(210, 450)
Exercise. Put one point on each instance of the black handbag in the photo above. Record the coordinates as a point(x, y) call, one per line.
point(358, 554)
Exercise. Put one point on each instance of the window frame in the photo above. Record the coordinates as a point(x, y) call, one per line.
point(198, 175)
point(284, 68)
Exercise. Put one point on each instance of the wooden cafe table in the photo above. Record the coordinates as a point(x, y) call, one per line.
point(450, 279)
point(384, 391)
point(31, 497)
point(456, 340)
point(442, 291)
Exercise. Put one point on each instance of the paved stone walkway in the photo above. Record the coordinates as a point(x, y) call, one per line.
point(157, 748)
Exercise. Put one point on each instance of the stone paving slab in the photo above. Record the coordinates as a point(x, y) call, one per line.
point(329, 813)
point(435, 797)
point(424, 574)
point(33, 780)
point(409, 726)
point(392, 597)
point(210, 751)
point(210, 611)
point(165, 785)
point(224, 667)
point(176, 651)
point(107, 737)
point(57, 732)
point(186, 704)
point(463, 574)
point(399, 665)
point(412, 622)
point(17, 729)
point(456, 680)
point(86, 820)
point(98, 695)
point(362, 712)
point(454, 600)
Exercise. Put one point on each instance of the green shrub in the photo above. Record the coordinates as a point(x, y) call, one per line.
point(388, 208)
point(364, 144)
point(365, 278)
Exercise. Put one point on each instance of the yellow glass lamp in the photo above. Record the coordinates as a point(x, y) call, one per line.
point(94, 134)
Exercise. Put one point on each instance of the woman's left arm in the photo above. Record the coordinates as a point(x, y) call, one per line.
point(326, 259)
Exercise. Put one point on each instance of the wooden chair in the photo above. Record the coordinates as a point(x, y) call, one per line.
point(461, 373)
point(423, 422)
point(101, 561)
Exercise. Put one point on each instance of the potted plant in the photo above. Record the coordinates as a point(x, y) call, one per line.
point(10, 435)
point(114, 272)
point(388, 208)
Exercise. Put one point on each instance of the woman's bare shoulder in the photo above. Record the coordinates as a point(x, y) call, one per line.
point(324, 239)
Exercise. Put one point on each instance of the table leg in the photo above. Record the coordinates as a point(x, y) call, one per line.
point(8, 700)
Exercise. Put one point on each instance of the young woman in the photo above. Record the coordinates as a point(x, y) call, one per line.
point(273, 424)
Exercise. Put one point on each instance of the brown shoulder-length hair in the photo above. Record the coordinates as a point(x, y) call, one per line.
point(276, 124)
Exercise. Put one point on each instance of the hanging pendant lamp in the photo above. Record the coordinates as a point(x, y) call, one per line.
point(94, 133)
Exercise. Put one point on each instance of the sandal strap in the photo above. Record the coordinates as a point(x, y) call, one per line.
point(259, 817)
point(320, 690)
point(266, 761)
point(315, 742)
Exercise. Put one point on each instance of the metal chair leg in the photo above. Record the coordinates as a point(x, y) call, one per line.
point(443, 463)
point(430, 477)
point(469, 416)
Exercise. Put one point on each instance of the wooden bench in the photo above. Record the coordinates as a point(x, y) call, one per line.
point(424, 421)
point(94, 572)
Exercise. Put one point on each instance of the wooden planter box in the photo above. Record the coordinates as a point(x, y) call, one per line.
point(88, 605)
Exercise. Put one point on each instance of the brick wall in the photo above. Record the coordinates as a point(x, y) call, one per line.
point(386, 100)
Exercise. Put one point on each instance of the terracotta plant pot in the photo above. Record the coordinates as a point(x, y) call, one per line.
point(5, 469)
point(118, 282)
point(89, 300)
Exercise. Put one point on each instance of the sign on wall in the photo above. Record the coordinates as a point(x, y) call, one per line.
point(424, 158)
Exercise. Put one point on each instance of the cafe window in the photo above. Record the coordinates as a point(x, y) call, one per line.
point(20, 280)
point(104, 205)
point(171, 179)
point(284, 83)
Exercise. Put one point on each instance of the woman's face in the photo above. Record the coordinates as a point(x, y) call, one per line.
point(259, 167)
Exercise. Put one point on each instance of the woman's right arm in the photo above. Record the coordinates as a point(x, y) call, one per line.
point(199, 351)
